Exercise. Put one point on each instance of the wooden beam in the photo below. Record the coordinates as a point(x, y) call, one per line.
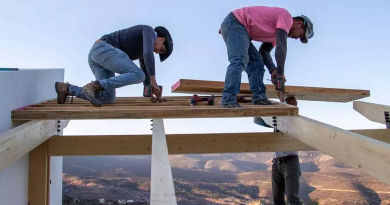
point(162, 190)
point(38, 176)
point(187, 143)
point(368, 155)
point(149, 112)
point(299, 92)
point(373, 112)
point(20, 140)
point(177, 144)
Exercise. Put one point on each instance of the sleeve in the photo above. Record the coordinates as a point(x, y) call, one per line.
point(284, 21)
point(281, 50)
point(265, 51)
point(148, 46)
point(143, 67)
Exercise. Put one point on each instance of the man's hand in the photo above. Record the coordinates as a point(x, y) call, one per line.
point(274, 75)
point(156, 90)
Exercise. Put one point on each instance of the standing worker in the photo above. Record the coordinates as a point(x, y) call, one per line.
point(286, 170)
point(270, 25)
point(114, 53)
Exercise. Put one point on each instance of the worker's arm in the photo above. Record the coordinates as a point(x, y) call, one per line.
point(265, 51)
point(147, 77)
point(148, 56)
point(281, 50)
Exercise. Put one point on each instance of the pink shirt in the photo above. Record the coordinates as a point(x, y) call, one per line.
point(261, 22)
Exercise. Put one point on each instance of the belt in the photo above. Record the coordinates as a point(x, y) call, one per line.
point(279, 160)
point(234, 18)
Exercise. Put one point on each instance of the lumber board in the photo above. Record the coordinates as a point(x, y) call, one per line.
point(206, 143)
point(372, 111)
point(162, 191)
point(20, 140)
point(38, 176)
point(177, 144)
point(299, 92)
point(149, 112)
point(366, 154)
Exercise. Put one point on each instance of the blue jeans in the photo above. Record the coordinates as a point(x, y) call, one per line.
point(242, 55)
point(105, 60)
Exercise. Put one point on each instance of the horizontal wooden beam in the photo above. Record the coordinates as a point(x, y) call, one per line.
point(20, 140)
point(177, 144)
point(299, 92)
point(149, 112)
point(366, 154)
point(372, 111)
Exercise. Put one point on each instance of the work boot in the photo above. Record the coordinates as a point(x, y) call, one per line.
point(232, 105)
point(62, 90)
point(263, 102)
point(91, 91)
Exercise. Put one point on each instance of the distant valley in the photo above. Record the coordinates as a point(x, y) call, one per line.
point(211, 179)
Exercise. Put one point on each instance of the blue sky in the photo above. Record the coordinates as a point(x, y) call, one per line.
point(350, 49)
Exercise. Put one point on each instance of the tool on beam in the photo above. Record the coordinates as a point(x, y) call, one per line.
point(148, 92)
point(387, 120)
point(279, 86)
point(196, 99)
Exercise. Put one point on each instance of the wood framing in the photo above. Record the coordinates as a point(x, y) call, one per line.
point(129, 108)
point(177, 144)
point(20, 140)
point(38, 176)
point(162, 191)
point(187, 143)
point(372, 111)
point(368, 155)
point(299, 92)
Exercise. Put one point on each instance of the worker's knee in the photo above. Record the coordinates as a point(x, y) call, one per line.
point(139, 76)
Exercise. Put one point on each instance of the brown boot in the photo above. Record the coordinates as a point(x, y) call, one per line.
point(62, 92)
point(91, 91)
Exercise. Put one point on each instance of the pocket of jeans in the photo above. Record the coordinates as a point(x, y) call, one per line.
point(99, 54)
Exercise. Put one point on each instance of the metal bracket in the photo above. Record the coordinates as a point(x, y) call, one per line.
point(275, 124)
point(387, 121)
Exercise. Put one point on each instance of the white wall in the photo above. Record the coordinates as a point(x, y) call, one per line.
point(18, 89)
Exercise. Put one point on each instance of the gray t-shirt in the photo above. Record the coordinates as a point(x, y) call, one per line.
point(138, 43)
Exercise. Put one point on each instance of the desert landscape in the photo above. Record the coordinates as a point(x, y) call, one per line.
point(212, 179)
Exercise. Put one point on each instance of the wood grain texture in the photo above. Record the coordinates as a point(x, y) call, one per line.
point(372, 111)
point(366, 154)
point(20, 140)
point(162, 191)
point(299, 92)
point(177, 144)
point(38, 189)
point(148, 112)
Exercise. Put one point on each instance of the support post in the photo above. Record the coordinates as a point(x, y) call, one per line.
point(38, 176)
point(162, 188)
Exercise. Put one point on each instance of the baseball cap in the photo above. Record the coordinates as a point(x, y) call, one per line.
point(309, 29)
point(163, 32)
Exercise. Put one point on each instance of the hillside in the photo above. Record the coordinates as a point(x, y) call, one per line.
point(219, 179)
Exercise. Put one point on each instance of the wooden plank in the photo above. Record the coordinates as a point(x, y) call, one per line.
point(20, 140)
point(177, 144)
point(368, 155)
point(299, 92)
point(38, 177)
point(162, 190)
point(149, 112)
point(187, 143)
point(372, 111)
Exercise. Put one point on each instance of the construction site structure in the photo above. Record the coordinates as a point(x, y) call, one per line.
point(32, 145)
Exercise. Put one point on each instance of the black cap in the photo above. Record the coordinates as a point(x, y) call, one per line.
point(163, 32)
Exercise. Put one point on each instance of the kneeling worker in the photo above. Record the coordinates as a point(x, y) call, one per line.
point(286, 170)
point(114, 53)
